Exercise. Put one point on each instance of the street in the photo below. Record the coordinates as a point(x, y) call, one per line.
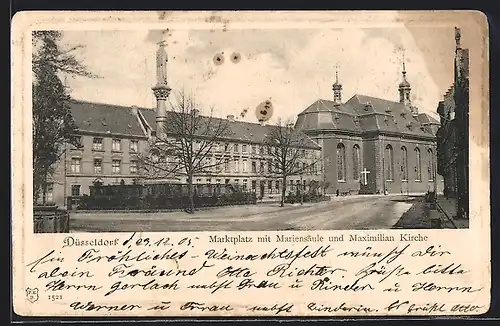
point(341, 213)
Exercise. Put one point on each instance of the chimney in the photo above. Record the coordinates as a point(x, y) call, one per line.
point(230, 117)
point(134, 109)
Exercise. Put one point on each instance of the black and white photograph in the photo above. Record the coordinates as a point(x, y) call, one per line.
point(250, 129)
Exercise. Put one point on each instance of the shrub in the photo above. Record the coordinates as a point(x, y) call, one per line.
point(115, 200)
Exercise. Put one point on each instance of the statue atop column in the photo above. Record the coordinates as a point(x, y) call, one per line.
point(161, 64)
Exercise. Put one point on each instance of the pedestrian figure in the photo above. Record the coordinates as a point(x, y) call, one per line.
point(338, 192)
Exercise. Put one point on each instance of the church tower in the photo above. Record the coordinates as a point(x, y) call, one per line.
point(405, 89)
point(161, 91)
point(337, 89)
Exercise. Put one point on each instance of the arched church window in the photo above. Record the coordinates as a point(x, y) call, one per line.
point(430, 166)
point(418, 165)
point(356, 162)
point(341, 167)
point(389, 163)
point(404, 165)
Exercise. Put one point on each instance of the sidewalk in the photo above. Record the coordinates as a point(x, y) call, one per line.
point(421, 216)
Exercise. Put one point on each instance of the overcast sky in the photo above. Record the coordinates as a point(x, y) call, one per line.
point(293, 67)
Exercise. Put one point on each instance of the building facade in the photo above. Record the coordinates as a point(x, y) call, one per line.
point(453, 135)
point(113, 136)
point(372, 145)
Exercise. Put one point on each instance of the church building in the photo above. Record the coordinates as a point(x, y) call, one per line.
point(372, 145)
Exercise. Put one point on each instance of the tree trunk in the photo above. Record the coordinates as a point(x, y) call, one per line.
point(191, 194)
point(44, 193)
point(283, 192)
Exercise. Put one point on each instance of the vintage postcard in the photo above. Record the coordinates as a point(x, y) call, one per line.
point(250, 163)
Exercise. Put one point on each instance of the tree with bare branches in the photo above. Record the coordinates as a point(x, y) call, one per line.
point(287, 148)
point(191, 146)
point(53, 124)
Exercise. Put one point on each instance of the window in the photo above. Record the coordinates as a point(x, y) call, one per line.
point(217, 181)
point(98, 165)
point(262, 168)
point(254, 167)
point(236, 165)
point(75, 165)
point(270, 166)
point(243, 148)
point(227, 181)
point(291, 184)
point(262, 150)
point(226, 165)
point(418, 165)
point(389, 163)
point(277, 185)
point(356, 163)
point(254, 185)
point(97, 144)
point(134, 146)
point(404, 165)
point(209, 181)
point(236, 148)
point(254, 149)
point(270, 186)
point(430, 167)
point(269, 150)
point(116, 145)
point(75, 190)
point(244, 167)
point(116, 166)
point(237, 182)
point(218, 165)
point(341, 168)
point(49, 194)
point(226, 147)
point(133, 167)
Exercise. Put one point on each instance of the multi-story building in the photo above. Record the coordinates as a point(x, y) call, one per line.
point(453, 135)
point(113, 136)
point(372, 145)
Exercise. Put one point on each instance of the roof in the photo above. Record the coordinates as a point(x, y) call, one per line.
point(424, 118)
point(105, 118)
point(361, 114)
point(326, 114)
point(125, 120)
point(239, 130)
